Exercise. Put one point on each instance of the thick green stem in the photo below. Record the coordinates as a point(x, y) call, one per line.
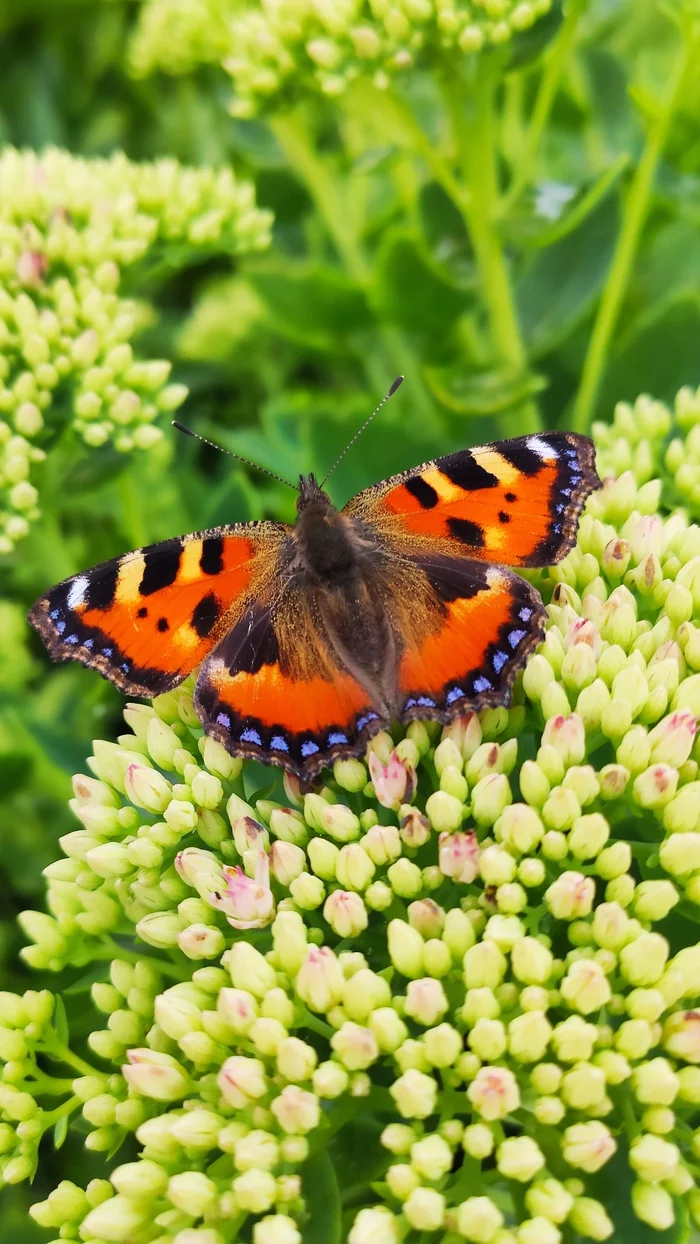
point(337, 215)
point(627, 244)
point(552, 73)
point(474, 132)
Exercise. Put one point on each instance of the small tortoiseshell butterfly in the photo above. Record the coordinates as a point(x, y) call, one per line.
point(312, 638)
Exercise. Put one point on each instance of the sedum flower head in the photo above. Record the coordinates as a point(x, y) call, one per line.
point(495, 973)
point(69, 228)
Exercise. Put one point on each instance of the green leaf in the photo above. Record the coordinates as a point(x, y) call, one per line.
point(481, 393)
point(527, 45)
point(612, 113)
point(560, 284)
point(658, 354)
point(320, 1191)
point(411, 291)
point(60, 1021)
point(60, 1131)
point(313, 305)
point(87, 472)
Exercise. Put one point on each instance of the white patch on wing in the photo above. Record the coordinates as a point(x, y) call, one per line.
point(541, 448)
point(77, 590)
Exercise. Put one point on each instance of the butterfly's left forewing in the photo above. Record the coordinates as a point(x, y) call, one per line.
point(145, 620)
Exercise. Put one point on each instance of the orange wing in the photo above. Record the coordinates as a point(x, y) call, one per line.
point(145, 620)
point(275, 690)
point(465, 648)
point(515, 503)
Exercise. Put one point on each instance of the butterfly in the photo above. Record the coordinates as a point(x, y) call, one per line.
point(311, 638)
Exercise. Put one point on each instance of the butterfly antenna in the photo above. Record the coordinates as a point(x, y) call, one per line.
point(231, 453)
point(396, 385)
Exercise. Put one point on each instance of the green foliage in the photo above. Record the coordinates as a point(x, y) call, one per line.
point(499, 199)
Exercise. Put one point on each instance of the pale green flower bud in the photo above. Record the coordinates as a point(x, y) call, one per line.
point(588, 1146)
point(682, 814)
point(398, 1138)
point(447, 755)
point(546, 1077)
point(534, 784)
point(402, 1180)
point(431, 1157)
point(589, 1219)
point(288, 825)
point(614, 860)
point(289, 938)
point(519, 1157)
point(478, 1004)
point(255, 1191)
point(653, 1158)
point(146, 788)
point(363, 992)
point(351, 775)
point(588, 836)
point(320, 982)
point(374, 1226)
point(388, 1028)
point(496, 866)
point(528, 1036)
point(488, 1039)
point(478, 1141)
point(354, 868)
point(330, 1080)
point(426, 1002)
point(453, 783)
point(379, 896)
point(445, 811)
point(425, 1209)
point(610, 926)
point(323, 857)
point(484, 965)
point(115, 1219)
point(548, 1198)
point(478, 1219)
point(655, 1082)
point(538, 1231)
point(307, 891)
point(573, 1041)
point(561, 809)
point(531, 872)
point(534, 998)
point(382, 844)
point(653, 1205)
point(583, 1087)
point(655, 787)
point(643, 960)
point(415, 1094)
point(585, 986)
point(296, 1060)
point(653, 900)
point(680, 854)
point(613, 780)
point(405, 878)
point(296, 1110)
point(201, 941)
point(276, 1229)
point(491, 795)
point(249, 969)
point(634, 1038)
point(571, 896)
point(415, 828)
point(355, 1046)
point(346, 913)
point(336, 820)
point(405, 948)
point(192, 1192)
point(494, 1093)
point(160, 928)
point(427, 917)
point(689, 1084)
point(287, 862)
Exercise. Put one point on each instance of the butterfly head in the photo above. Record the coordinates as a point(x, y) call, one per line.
point(322, 533)
point(311, 495)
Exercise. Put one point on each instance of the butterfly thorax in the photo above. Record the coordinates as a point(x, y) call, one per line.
point(325, 537)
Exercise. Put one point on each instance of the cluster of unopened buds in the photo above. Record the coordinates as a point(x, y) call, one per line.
point(480, 940)
point(68, 227)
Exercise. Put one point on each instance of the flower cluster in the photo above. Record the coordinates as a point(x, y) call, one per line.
point(176, 37)
point(465, 935)
point(68, 228)
point(648, 439)
point(323, 44)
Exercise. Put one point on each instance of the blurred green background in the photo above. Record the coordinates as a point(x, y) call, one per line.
point(497, 227)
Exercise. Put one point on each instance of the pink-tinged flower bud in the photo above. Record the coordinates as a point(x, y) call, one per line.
point(415, 1094)
point(354, 868)
point(643, 960)
point(568, 736)
point(653, 1158)
point(242, 1081)
point(247, 903)
point(548, 1198)
point(237, 1008)
point(394, 782)
point(426, 1001)
point(458, 856)
point(346, 913)
point(519, 828)
point(414, 827)
point(382, 844)
point(200, 869)
point(484, 965)
point(571, 896)
point(155, 1075)
point(427, 917)
point(478, 1219)
point(672, 739)
point(320, 981)
point(201, 941)
point(287, 861)
point(339, 821)
point(249, 969)
point(494, 1093)
point(585, 986)
point(681, 1035)
point(653, 1205)
point(147, 788)
point(613, 781)
point(655, 787)
point(680, 854)
point(519, 1157)
point(405, 948)
point(355, 1046)
point(465, 731)
point(374, 1226)
point(588, 1146)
